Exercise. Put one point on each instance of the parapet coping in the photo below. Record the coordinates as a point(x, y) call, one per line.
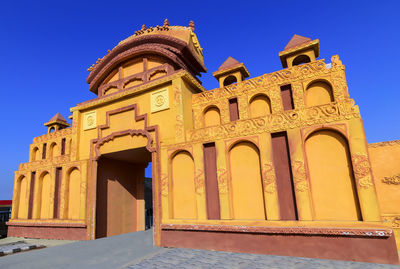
point(327, 231)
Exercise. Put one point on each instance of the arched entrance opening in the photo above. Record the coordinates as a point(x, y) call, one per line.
point(124, 194)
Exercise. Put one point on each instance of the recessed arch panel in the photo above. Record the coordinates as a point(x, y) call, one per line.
point(183, 186)
point(212, 117)
point(22, 201)
point(260, 105)
point(45, 196)
point(246, 182)
point(35, 154)
point(74, 193)
point(54, 151)
point(332, 182)
point(319, 93)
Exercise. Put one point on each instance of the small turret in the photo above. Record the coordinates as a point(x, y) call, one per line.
point(231, 71)
point(299, 50)
point(57, 122)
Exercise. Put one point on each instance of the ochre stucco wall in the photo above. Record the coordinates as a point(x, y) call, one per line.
point(385, 162)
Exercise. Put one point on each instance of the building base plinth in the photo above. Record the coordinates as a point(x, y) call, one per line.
point(360, 248)
point(60, 232)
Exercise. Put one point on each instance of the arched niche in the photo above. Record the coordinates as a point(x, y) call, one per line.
point(22, 190)
point(35, 154)
point(246, 182)
point(332, 181)
point(54, 151)
point(301, 59)
point(212, 117)
point(230, 80)
point(260, 105)
point(44, 196)
point(319, 93)
point(73, 194)
point(183, 186)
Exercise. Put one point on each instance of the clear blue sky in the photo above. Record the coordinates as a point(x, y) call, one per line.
point(46, 47)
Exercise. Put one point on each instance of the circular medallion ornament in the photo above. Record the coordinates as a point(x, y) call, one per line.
point(160, 100)
point(90, 120)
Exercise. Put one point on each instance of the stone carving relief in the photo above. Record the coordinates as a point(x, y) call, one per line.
point(159, 100)
point(58, 134)
point(300, 177)
point(298, 96)
point(361, 169)
point(164, 184)
point(179, 126)
point(222, 180)
point(393, 180)
point(393, 220)
point(89, 120)
point(268, 175)
point(384, 144)
point(278, 122)
point(199, 181)
point(289, 75)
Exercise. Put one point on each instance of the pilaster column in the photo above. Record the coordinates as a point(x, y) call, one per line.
point(268, 177)
point(223, 181)
point(362, 171)
point(84, 176)
point(199, 181)
point(165, 185)
point(300, 178)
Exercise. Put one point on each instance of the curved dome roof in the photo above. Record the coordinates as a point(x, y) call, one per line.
point(178, 44)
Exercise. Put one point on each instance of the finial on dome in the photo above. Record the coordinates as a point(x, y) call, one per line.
point(191, 25)
point(166, 22)
point(144, 27)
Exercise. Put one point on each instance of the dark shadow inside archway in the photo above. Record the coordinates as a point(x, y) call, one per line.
point(124, 195)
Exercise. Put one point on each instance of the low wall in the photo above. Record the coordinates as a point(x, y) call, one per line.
point(366, 245)
point(48, 231)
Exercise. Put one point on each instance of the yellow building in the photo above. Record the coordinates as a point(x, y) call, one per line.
point(276, 164)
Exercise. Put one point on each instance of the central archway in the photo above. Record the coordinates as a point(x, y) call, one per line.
point(120, 202)
point(119, 187)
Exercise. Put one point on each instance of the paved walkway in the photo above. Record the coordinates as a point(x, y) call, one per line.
point(108, 253)
point(203, 259)
point(136, 251)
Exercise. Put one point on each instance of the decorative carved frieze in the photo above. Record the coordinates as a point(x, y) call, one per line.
point(279, 121)
point(289, 75)
point(393, 180)
point(348, 232)
point(384, 144)
point(45, 162)
point(57, 134)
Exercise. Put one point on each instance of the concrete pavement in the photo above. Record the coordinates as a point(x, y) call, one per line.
point(136, 251)
point(113, 252)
